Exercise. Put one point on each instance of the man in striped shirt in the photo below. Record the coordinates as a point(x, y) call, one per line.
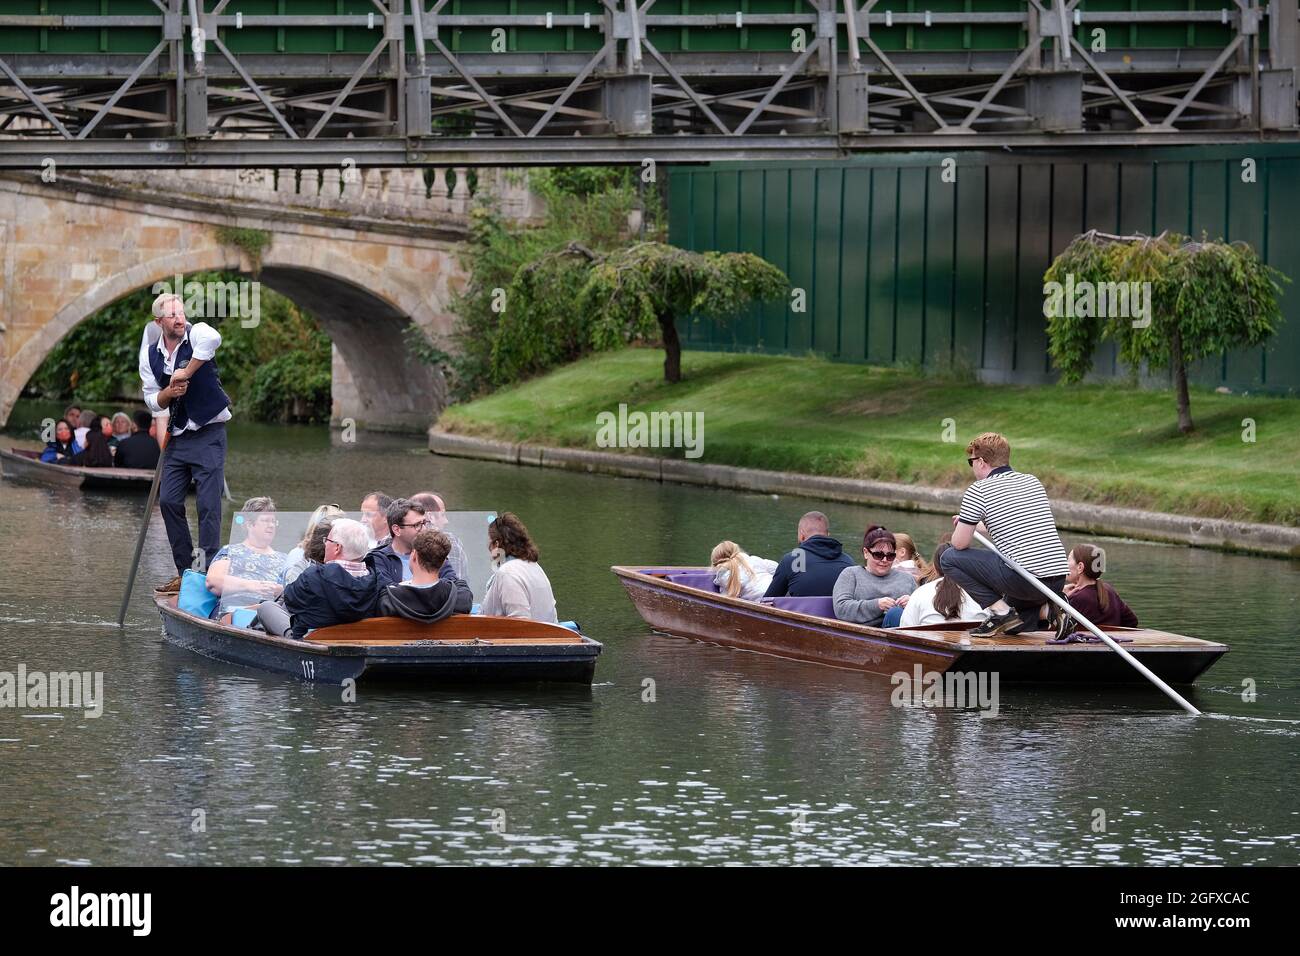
point(1012, 510)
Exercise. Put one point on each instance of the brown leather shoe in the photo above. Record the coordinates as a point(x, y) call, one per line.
point(171, 587)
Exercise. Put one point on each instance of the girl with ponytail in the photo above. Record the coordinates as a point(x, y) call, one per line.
point(738, 574)
point(1089, 595)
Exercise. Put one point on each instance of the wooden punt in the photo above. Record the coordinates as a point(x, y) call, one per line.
point(22, 464)
point(693, 610)
point(460, 650)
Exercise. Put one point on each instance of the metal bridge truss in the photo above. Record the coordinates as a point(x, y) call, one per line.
point(412, 100)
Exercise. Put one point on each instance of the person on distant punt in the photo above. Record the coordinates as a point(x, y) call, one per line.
point(247, 573)
point(1089, 595)
point(298, 558)
point(121, 425)
point(938, 599)
point(435, 509)
point(811, 569)
point(876, 594)
point(434, 591)
point(61, 450)
point(81, 427)
point(741, 575)
point(140, 448)
point(1013, 511)
point(96, 454)
point(519, 587)
point(374, 515)
point(72, 415)
point(392, 562)
point(343, 590)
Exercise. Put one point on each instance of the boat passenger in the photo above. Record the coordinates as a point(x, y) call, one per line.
point(61, 450)
point(343, 590)
point(811, 569)
point(139, 449)
point(121, 426)
point(434, 591)
point(96, 454)
point(72, 415)
point(245, 574)
point(741, 575)
point(938, 599)
point(519, 587)
point(1095, 599)
point(1015, 514)
point(392, 561)
point(81, 427)
point(297, 558)
point(869, 594)
point(374, 515)
point(909, 559)
point(435, 509)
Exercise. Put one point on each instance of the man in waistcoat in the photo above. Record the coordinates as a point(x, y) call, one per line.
point(179, 378)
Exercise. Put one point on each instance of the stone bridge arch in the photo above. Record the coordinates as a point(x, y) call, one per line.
point(65, 258)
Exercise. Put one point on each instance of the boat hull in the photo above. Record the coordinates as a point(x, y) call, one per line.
point(730, 622)
point(425, 663)
point(21, 466)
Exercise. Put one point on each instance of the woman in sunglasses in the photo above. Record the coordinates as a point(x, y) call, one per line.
point(875, 594)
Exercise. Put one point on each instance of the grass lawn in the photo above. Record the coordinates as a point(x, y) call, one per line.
point(1108, 444)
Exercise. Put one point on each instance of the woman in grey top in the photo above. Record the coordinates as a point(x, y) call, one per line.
point(864, 595)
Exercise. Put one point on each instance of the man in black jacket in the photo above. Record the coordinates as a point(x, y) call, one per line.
point(434, 591)
point(811, 569)
point(140, 448)
point(340, 591)
point(392, 562)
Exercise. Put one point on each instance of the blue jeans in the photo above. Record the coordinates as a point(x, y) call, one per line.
point(893, 616)
point(986, 578)
point(200, 457)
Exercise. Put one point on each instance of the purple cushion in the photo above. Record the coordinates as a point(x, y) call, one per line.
point(694, 579)
point(819, 606)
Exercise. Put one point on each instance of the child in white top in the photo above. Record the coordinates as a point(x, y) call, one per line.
point(741, 575)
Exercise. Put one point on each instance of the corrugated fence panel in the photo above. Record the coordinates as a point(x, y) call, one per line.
point(893, 264)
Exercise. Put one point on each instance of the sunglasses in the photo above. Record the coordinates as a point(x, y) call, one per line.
point(971, 461)
point(883, 555)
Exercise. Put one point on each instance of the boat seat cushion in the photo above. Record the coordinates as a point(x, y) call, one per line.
point(818, 606)
point(195, 598)
point(694, 579)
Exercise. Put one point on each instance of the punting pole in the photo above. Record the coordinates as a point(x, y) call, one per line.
point(144, 529)
point(1065, 606)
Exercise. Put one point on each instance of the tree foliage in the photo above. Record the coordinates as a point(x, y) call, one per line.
point(1205, 298)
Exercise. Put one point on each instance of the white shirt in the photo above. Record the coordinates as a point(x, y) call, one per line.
point(752, 586)
point(920, 608)
point(520, 589)
point(204, 339)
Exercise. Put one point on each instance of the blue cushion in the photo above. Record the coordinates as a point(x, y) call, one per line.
point(195, 598)
point(243, 616)
point(571, 625)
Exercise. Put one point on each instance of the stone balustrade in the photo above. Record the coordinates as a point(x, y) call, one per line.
point(406, 193)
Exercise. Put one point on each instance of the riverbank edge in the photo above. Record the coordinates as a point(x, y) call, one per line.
point(1214, 533)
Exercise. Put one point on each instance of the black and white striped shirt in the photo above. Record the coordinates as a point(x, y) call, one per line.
point(1014, 508)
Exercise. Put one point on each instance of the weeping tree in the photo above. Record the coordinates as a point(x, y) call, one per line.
point(635, 292)
point(1166, 300)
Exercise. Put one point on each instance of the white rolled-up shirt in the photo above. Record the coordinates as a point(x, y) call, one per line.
point(204, 339)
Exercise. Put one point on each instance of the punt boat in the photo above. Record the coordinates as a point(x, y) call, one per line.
point(21, 464)
point(459, 650)
point(684, 602)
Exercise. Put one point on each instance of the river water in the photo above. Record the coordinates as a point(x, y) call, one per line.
point(739, 758)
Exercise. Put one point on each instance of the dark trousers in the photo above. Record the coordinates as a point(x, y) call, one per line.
point(986, 577)
point(200, 457)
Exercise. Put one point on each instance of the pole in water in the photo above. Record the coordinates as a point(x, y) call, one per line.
point(1066, 607)
point(139, 541)
point(225, 486)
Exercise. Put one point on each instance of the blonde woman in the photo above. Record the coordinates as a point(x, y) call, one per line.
point(910, 560)
point(741, 575)
point(297, 560)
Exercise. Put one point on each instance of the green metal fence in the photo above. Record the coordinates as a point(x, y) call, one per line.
point(901, 266)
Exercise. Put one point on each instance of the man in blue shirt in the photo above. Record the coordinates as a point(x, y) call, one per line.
point(392, 562)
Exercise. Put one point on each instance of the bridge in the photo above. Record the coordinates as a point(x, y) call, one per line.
point(370, 253)
point(246, 83)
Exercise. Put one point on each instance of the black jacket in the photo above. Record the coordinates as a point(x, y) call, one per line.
point(449, 596)
point(137, 451)
point(326, 594)
point(823, 559)
point(386, 564)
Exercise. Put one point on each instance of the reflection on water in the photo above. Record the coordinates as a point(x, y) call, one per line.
point(739, 758)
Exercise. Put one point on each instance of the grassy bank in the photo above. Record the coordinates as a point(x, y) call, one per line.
point(1106, 444)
